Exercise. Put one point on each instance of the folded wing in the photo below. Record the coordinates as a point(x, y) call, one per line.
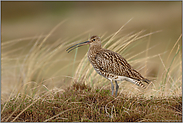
point(111, 62)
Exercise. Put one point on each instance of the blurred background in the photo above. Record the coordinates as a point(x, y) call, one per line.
point(22, 19)
point(22, 22)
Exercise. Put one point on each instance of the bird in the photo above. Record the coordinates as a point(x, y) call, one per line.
point(110, 65)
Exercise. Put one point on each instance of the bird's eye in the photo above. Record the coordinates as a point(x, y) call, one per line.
point(93, 39)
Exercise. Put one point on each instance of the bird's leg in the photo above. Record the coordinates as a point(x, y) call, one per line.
point(112, 87)
point(116, 88)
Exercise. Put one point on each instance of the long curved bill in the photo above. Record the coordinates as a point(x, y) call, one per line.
point(77, 45)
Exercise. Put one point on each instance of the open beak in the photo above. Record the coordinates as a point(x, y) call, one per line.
point(77, 45)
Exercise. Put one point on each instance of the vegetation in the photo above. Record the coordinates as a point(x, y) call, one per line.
point(42, 82)
point(89, 98)
point(80, 103)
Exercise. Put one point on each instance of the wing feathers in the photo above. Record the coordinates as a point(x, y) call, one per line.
point(111, 62)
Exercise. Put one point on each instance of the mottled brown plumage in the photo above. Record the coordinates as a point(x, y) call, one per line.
point(110, 64)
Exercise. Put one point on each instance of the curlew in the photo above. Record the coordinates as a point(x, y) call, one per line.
point(110, 65)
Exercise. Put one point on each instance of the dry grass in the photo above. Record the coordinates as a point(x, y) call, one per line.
point(80, 103)
point(34, 74)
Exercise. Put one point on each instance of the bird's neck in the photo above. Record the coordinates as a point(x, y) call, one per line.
point(94, 49)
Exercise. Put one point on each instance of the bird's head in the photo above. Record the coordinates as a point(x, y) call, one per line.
point(93, 41)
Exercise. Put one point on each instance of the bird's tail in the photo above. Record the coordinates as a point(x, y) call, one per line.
point(146, 81)
point(139, 83)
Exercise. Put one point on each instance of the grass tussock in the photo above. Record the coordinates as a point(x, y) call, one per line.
point(80, 103)
point(32, 73)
